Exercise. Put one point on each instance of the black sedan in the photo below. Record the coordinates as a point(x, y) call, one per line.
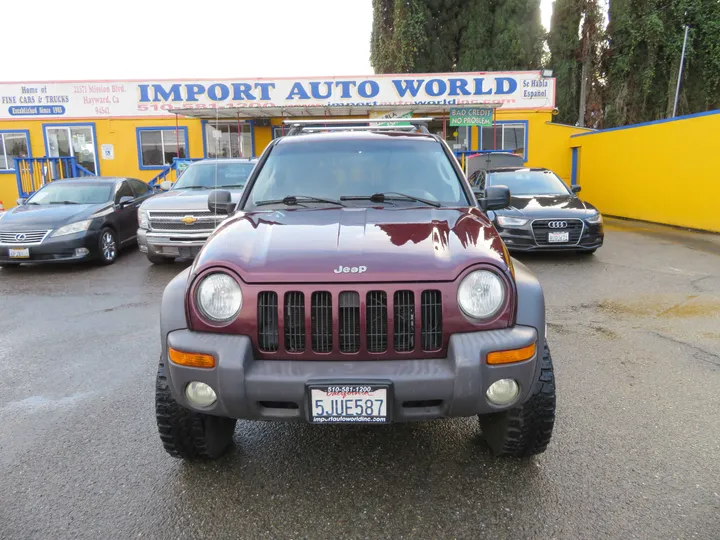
point(544, 213)
point(74, 219)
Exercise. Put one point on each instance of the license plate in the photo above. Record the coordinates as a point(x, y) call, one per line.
point(342, 403)
point(559, 237)
point(19, 253)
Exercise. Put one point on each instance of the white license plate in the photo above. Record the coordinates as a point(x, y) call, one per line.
point(349, 404)
point(558, 237)
point(19, 253)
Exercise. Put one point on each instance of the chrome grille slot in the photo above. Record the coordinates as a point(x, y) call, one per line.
point(267, 321)
point(431, 320)
point(321, 305)
point(349, 322)
point(404, 320)
point(23, 237)
point(294, 321)
point(376, 321)
point(173, 221)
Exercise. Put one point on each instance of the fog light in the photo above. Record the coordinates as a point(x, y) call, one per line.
point(143, 249)
point(81, 252)
point(503, 392)
point(200, 394)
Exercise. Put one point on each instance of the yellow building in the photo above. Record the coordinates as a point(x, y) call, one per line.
point(136, 128)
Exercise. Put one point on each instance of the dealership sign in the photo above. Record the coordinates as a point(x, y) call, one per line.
point(471, 116)
point(513, 90)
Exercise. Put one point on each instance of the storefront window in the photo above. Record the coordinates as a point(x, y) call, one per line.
point(228, 140)
point(158, 147)
point(504, 137)
point(78, 141)
point(12, 145)
point(456, 137)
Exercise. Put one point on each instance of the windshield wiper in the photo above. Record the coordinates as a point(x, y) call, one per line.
point(230, 185)
point(382, 197)
point(292, 200)
point(64, 202)
point(193, 187)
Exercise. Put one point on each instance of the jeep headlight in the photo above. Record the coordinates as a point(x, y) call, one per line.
point(143, 220)
point(219, 297)
point(481, 294)
point(78, 226)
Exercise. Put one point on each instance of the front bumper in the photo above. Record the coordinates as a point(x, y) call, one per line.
point(171, 244)
point(55, 249)
point(523, 239)
point(423, 389)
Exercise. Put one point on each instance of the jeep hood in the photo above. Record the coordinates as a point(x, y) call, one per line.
point(184, 200)
point(393, 244)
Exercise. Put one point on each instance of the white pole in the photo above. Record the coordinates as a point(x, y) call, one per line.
point(682, 60)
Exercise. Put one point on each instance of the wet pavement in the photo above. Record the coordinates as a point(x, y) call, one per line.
point(635, 335)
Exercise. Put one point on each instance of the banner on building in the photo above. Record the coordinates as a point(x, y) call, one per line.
point(471, 116)
point(513, 90)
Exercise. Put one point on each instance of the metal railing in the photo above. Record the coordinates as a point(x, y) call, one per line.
point(33, 173)
point(173, 171)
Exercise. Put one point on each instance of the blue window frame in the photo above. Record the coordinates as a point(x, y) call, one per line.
point(157, 146)
point(512, 135)
point(71, 139)
point(228, 139)
point(13, 143)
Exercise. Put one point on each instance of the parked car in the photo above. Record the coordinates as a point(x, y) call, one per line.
point(177, 223)
point(357, 280)
point(75, 219)
point(544, 213)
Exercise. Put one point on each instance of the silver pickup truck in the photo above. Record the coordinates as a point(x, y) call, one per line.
point(177, 223)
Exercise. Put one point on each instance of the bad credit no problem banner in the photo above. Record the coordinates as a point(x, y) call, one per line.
point(516, 90)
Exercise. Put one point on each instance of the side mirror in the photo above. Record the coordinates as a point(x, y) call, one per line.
point(495, 198)
point(576, 189)
point(166, 185)
point(21, 201)
point(125, 201)
point(220, 202)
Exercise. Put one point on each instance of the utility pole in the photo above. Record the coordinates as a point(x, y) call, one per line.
point(682, 61)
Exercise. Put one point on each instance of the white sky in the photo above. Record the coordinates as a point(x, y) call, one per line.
point(185, 39)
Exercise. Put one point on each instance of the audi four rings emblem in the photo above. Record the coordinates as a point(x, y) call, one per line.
point(20, 237)
point(557, 224)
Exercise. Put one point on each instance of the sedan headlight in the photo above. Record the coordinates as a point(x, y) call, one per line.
point(481, 294)
point(219, 297)
point(143, 220)
point(507, 221)
point(73, 228)
point(597, 218)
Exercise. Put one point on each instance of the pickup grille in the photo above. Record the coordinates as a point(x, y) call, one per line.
point(349, 322)
point(173, 221)
point(541, 229)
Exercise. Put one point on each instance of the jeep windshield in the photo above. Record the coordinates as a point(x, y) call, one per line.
point(410, 171)
point(211, 175)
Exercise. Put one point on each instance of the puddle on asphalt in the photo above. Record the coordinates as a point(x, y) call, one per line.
point(36, 403)
point(663, 307)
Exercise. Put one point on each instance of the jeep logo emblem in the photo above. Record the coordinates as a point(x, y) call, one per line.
point(350, 269)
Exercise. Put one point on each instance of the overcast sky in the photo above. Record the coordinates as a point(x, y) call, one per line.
point(160, 39)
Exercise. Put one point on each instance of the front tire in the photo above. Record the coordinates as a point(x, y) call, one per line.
point(108, 246)
point(525, 430)
point(187, 434)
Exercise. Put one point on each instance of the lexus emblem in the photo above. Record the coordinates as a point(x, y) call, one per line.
point(189, 220)
point(20, 237)
point(557, 224)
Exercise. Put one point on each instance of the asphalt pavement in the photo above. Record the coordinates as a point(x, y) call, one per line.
point(635, 336)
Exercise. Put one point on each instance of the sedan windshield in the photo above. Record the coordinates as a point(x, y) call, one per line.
point(355, 169)
point(211, 175)
point(527, 182)
point(73, 193)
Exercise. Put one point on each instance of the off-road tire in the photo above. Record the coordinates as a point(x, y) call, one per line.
point(159, 259)
point(526, 430)
point(186, 434)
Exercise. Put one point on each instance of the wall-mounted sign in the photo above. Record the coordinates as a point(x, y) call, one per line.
point(471, 116)
point(107, 151)
point(104, 99)
point(392, 114)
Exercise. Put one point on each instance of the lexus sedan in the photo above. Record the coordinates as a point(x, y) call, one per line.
point(544, 213)
point(75, 219)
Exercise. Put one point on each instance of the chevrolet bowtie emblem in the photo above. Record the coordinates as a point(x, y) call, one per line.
point(189, 220)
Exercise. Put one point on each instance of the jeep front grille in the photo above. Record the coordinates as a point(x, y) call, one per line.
point(349, 322)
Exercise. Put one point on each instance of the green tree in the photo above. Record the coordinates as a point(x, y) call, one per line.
point(564, 44)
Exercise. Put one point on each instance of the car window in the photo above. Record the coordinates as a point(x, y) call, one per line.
point(73, 193)
point(215, 174)
point(359, 167)
point(139, 187)
point(124, 191)
point(527, 182)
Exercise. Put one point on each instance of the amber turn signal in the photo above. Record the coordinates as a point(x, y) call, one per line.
point(191, 359)
point(513, 355)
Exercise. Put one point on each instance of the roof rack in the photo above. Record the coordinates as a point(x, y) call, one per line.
point(336, 124)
